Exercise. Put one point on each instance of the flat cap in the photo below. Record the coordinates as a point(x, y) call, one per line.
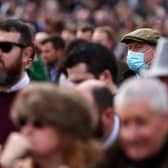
point(142, 35)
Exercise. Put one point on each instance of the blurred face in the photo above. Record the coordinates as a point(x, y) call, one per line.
point(49, 53)
point(79, 73)
point(67, 36)
point(87, 35)
point(11, 59)
point(147, 49)
point(142, 132)
point(44, 139)
point(101, 38)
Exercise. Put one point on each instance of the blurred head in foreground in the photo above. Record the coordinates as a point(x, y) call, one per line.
point(57, 123)
point(143, 109)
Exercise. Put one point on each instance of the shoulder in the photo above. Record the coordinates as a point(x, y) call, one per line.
point(113, 157)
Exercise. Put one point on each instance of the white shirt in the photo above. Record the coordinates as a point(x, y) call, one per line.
point(20, 84)
point(114, 133)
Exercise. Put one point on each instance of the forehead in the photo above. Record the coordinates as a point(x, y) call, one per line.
point(47, 45)
point(135, 108)
point(79, 73)
point(9, 36)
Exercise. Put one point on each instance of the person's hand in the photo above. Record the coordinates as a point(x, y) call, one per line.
point(15, 148)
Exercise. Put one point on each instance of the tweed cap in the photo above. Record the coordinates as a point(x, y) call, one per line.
point(142, 35)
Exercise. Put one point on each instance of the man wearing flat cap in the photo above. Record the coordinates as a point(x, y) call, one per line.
point(141, 48)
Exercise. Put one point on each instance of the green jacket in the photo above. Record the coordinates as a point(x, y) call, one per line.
point(37, 72)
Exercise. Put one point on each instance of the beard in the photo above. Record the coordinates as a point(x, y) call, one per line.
point(7, 79)
point(10, 75)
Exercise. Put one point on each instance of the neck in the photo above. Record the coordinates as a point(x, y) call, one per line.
point(54, 64)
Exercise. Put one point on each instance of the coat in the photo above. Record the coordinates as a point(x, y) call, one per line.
point(114, 158)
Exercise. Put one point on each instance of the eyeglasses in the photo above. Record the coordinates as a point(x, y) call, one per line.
point(36, 122)
point(6, 46)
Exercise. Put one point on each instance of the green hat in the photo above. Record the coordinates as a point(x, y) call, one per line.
point(142, 35)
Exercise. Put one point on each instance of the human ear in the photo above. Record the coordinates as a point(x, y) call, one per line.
point(107, 78)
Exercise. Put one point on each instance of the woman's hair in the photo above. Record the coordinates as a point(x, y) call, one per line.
point(65, 111)
point(60, 108)
point(80, 153)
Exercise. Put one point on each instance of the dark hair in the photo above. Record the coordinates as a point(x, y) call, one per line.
point(103, 97)
point(14, 25)
point(97, 57)
point(86, 27)
point(57, 41)
point(54, 25)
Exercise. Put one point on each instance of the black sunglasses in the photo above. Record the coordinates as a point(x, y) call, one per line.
point(36, 122)
point(6, 46)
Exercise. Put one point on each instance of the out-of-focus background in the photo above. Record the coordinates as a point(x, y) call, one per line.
point(122, 15)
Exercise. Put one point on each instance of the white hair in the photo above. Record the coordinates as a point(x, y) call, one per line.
point(151, 90)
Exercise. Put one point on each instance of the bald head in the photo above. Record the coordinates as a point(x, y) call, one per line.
point(39, 37)
point(89, 85)
point(87, 89)
point(97, 94)
point(100, 98)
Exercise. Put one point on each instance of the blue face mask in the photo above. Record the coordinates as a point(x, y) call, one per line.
point(135, 61)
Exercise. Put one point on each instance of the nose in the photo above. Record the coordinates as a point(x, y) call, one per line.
point(129, 133)
point(27, 129)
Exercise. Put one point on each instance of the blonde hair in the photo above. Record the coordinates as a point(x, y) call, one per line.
point(80, 154)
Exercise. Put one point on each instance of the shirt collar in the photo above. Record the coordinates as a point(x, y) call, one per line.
point(20, 84)
point(114, 134)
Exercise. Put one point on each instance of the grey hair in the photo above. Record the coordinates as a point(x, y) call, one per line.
point(152, 90)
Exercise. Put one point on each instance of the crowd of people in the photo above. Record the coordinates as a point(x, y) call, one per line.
point(83, 84)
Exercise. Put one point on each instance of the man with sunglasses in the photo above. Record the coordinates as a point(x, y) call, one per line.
point(15, 49)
